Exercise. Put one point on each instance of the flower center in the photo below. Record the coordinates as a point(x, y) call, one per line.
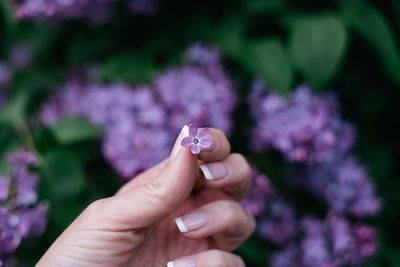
point(195, 141)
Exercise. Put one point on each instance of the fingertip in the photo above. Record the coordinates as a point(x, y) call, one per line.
point(219, 148)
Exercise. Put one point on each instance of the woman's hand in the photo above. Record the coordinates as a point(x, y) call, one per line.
point(174, 212)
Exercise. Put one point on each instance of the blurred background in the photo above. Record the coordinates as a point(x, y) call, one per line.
point(93, 92)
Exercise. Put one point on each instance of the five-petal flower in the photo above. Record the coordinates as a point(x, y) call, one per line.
point(196, 140)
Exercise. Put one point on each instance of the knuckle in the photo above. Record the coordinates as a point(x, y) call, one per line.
point(95, 211)
point(97, 207)
point(230, 209)
point(157, 193)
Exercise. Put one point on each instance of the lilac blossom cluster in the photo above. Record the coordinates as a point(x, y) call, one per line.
point(92, 10)
point(140, 123)
point(303, 127)
point(40, 10)
point(333, 242)
point(344, 185)
point(200, 92)
point(305, 241)
point(299, 126)
point(20, 214)
point(316, 143)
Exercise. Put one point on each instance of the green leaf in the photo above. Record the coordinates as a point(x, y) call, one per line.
point(228, 36)
point(368, 22)
point(317, 46)
point(64, 175)
point(74, 129)
point(63, 182)
point(14, 112)
point(268, 59)
point(129, 67)
point(263, 6)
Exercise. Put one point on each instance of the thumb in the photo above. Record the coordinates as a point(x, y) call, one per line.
point(155, 200)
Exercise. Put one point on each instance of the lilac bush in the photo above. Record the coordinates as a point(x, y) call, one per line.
point(303, 127)
point(40, 10)
point(344, 185)
point(316, 143)
point(20, 214)
point(140, 123)
point(306, 241)
point(92, 10)
point(332, 242)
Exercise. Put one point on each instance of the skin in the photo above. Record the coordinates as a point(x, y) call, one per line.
point(136, 227)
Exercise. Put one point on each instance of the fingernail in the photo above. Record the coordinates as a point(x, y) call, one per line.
point(215, 170)
point(182, 263)
point(177, 147)
point(191, 221)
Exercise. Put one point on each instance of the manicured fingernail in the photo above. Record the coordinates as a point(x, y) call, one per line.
point(177, 147)
point(182, 263)
point(215, 170)
point(191, 221)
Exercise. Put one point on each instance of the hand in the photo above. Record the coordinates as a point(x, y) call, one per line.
point(138, 226)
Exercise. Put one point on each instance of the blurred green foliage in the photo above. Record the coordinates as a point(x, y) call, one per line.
point(350, 47)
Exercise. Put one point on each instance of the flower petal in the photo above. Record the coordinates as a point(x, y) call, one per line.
point(196, 149)
point(192, 130)
point(204, 133)
point(204, 143)
point(187, 141)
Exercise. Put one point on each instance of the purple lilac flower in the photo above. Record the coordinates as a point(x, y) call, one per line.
point(344, 185)
point(195, 140)
point(334, 242)
point(305, 128)
point(20, 216)
point(41, 10)
point(200, 93)
point(136, 135)
point(276, 219)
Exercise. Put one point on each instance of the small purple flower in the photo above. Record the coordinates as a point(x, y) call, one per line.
point(196, 140)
